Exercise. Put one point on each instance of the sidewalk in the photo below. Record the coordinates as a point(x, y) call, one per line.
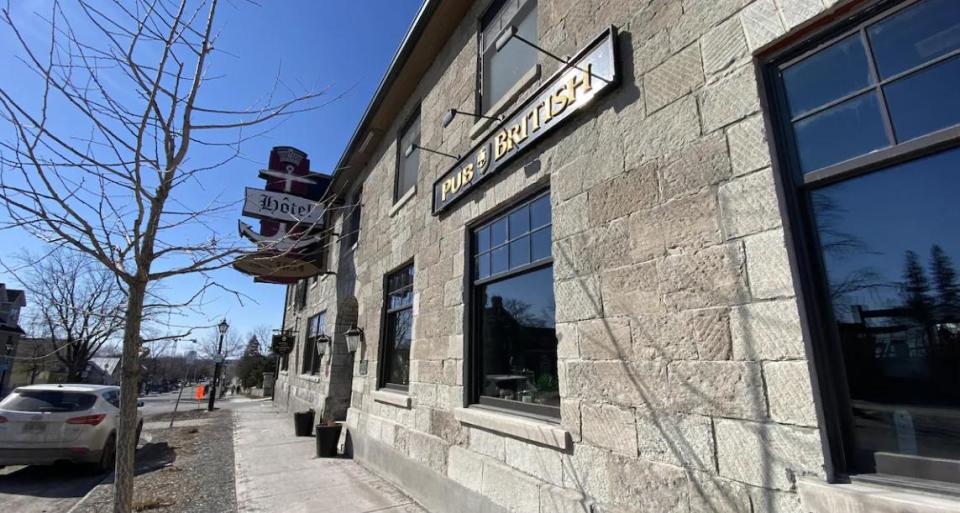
point(279, 472)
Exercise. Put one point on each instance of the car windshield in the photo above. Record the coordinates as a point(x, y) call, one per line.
point(47, 400)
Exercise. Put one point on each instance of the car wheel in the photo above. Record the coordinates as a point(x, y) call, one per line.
point(108, 455)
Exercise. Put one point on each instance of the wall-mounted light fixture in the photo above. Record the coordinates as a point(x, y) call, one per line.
point(409, 151)
point(322, 342)
point(452, 113)
point(354, 336)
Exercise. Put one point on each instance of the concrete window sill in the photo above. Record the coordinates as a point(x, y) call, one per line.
point(820, 497)
point(531, 430)
point(310, 377)
point(402, 201)
point(394, 398)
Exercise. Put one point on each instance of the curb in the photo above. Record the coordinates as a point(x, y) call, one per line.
point(89, 493)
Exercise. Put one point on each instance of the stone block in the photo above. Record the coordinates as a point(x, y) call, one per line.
point(767, 455)
point(749, 204)
point(688, 335)
point(666, 130)
point(772, 501)
point(679, 75)
point(540, 462)
point(710, 493)
point(570, 418)
point(789, 393)
point(715, 276)
point(487, 443)
point(625, 383)
point(699, 165)
point(727, 389)
point(568, 343)
point(428, 450)
point(761, 23)
point(510, 489)
point(729, 100)
point(465, 468)
point(631, 290)
point(578, 299)
point(723, 47)
point(555, 499)
point(605, 339)
point(747, 140)
point(570, 217)
point(648, 487)
point(609, 427)
point(587, 470)
point(768, 266)
point(677, 439)
point(767, 331)
point(623, 195)
point(796, 12)
point(699, 17)
point(691, 222)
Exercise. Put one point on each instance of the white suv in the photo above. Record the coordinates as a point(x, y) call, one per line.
point(45, 424)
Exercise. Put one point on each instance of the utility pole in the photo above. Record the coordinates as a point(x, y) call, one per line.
point(218, 362)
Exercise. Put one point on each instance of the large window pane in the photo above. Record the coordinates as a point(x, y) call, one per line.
point(926, 101)
point(845, 63)
point(848, 130)
point(397, 357)
point(518, 339)
point(890, 248)
point(916, 35)
point(409, 161)
point(502, 69)
point(399, 328)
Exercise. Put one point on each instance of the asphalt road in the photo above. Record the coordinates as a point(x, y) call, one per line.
point(56, 489)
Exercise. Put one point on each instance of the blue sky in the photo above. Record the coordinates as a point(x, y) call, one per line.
point(343, 45)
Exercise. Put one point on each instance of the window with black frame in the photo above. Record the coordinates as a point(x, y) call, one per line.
point(501, 70)
point(398, 330)
point(408, 158)
point(514, 343)
point(870, 121)
point(311, 358)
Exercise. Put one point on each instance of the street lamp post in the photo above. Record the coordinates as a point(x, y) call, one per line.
point(216, 369)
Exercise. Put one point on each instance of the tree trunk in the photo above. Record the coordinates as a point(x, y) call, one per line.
point(130, 378)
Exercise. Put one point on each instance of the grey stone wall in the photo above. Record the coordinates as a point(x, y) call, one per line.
point(684, 379)
point(328, 391)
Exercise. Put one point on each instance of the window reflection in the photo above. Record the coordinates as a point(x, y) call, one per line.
point(514, 343)
point(846, 64)
point(852, 128)
point(518, 339)
point(915, 35)
point(890, 248)
point(399, 329)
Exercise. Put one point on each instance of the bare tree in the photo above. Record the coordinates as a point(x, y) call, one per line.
point(76, 304)
point(264, 335)
point(101, 159)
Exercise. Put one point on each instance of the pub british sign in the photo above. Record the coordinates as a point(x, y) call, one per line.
point(290, 211)
point(591, 73)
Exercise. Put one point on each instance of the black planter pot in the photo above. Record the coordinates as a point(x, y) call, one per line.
point(303, 422)
point(327, 438)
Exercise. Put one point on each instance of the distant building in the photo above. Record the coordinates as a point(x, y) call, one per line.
point(11, 301)
point(103, 370)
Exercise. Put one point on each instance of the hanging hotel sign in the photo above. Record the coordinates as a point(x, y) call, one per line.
point(592, 72)
point(282, 207)
point(289, 207)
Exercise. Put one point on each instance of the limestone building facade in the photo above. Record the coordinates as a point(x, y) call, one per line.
point(645, 263)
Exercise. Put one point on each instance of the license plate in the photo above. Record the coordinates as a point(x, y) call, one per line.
point(34, 427)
